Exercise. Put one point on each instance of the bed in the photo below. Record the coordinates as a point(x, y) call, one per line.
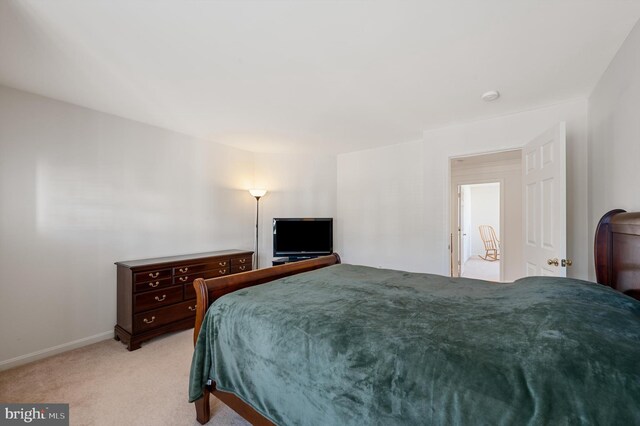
point(322, 342)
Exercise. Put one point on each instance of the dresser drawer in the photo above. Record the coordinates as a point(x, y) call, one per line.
point(191, 269)
point(189, 278)
point(241, 261)
point(240, 268)
point(221, 263)
point(151, 275)
point(189, 292)
point(154, 299)
point(162, 316)
point(153, 285)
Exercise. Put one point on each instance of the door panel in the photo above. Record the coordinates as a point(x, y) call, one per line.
point(547, 209)
point(530, 215)
point(544, 181)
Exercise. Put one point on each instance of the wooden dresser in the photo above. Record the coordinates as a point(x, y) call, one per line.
point(156, 296)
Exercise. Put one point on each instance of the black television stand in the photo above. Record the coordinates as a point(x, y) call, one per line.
point(283, 260)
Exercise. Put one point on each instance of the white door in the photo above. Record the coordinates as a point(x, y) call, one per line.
point(461, 245)
point(464, 226)
point(544, 190)
point(466, 223)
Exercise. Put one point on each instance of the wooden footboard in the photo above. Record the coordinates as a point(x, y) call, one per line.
point(617, 252)
point(207, 291)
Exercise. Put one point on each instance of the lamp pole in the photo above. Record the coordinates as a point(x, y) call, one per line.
point(257, 218)
point(257, 193)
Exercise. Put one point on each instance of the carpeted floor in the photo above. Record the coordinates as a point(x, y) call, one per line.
point(482, 269)
point(107, 385)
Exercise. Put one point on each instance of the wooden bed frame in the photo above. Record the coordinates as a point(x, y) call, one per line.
point(207, 291)
point(617, 262)
point(617, 252)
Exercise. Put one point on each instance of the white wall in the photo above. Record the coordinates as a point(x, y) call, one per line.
point(614, 136)
point(299, 185)
point(80, 190)
point(381, 203)
point(485, 210)
point(402, 220)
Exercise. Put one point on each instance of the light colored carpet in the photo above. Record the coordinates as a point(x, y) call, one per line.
point(476, 267)
point(107, 385)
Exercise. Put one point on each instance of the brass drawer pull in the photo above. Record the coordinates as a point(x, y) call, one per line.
point(193, 308)
point(242, 268)
point(183, 279)
point(183, 270)
point(222, 271)
point(152, 275)
point(154, 285)
point(146, 321)
point(160, 299)
point(222, 263)
point(242, 260)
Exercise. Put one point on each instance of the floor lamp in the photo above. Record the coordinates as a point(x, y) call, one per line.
point(257, 193)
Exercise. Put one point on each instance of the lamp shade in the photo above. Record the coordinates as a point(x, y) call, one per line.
point(257, 192)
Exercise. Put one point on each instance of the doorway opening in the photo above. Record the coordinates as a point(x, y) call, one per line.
point(486, 216)
point(479, 224)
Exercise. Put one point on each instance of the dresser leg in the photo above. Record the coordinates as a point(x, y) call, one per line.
point(121, 335)
point(133, 345)
point(203, 408)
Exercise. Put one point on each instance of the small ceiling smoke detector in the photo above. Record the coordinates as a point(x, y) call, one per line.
point(490, 96)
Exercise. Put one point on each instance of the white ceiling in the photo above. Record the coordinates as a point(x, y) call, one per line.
point(332, 75)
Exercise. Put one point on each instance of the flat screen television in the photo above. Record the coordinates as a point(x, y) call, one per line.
point(302, 237)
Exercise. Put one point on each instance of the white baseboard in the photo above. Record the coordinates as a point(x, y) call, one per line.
point(34, 356)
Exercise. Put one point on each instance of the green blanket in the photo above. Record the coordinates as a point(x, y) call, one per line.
point(352, 345)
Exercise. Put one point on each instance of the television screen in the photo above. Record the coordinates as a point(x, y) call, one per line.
point(302, 237)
